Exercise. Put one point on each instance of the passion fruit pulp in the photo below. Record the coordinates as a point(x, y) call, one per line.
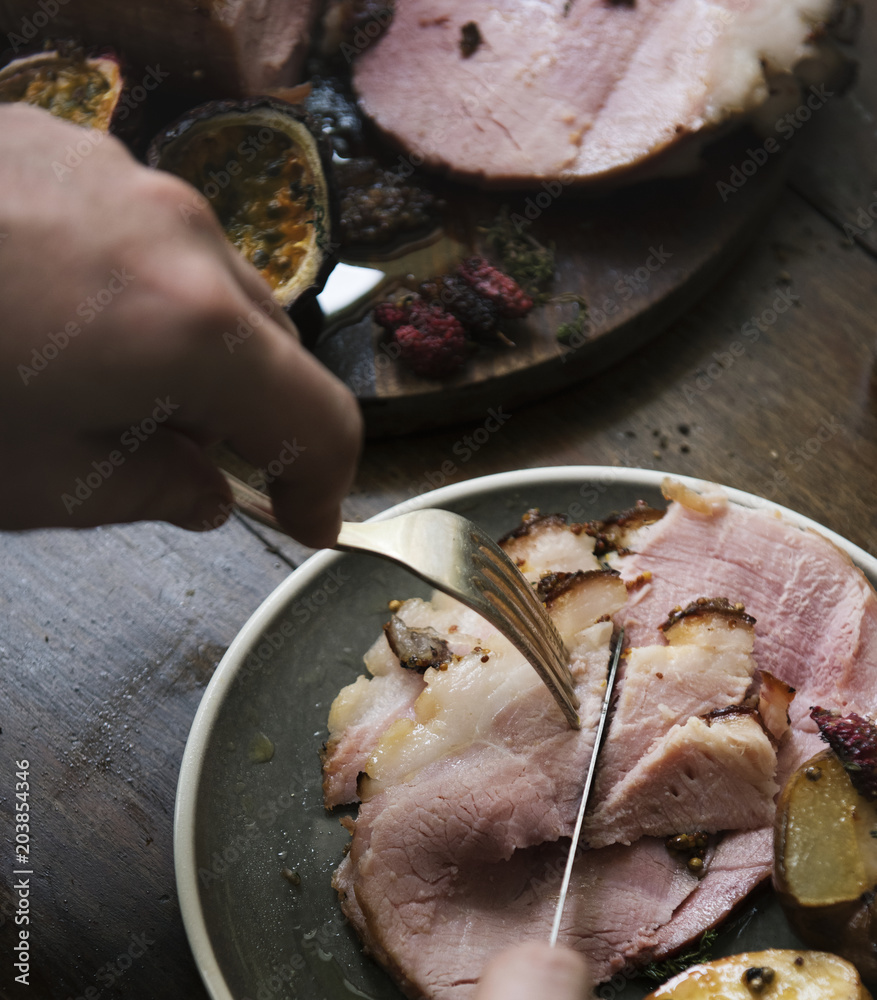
point(69, 85)
point(264, 168)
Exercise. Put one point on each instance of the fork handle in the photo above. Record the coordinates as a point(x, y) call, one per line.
point(352, 537)
point(252, 502)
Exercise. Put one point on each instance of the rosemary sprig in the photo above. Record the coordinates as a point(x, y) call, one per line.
point(520, 255)
point(574, 328)
point(659, 972)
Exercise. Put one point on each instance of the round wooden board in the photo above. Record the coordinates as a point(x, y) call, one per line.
point(639, 256)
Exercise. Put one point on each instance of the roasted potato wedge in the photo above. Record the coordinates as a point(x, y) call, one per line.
point(825, 864)
point(776, 974)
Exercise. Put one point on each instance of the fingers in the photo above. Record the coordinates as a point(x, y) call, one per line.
point(192, 332)
point(249, 383)
point(280, 410)
point(257, 288)
point(100, 481)
point(535, 970)
point(306, 436)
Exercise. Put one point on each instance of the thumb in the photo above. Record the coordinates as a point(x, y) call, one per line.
point(533, 970)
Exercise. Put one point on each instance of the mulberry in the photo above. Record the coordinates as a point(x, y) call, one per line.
point(432, 343)
point(510, 300)
point(854, 740)
point(391, 315)
point(477, 314)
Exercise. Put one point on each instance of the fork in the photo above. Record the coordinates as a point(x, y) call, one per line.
point(456, 556)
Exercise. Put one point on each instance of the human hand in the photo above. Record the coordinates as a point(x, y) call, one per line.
point(134, 335)
point(534, 970)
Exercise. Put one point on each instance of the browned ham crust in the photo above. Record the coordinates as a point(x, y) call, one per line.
point(564, 91)
point(456, 859)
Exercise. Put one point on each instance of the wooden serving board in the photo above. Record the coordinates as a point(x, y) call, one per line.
point(639, 256)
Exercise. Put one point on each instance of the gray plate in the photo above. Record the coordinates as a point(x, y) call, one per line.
point(239, 822)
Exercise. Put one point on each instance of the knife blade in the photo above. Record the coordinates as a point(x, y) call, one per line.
point(589, 780)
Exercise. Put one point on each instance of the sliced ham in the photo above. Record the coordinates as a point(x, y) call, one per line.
point(816, 611)
point(545, 543)
point(460, 842)
point(710, 774)
point(677, 758)
point(706, 666)
point(742, 862)
point(392, 727)
point(575, 90)
point(366, 709)
point(436, 936)
point(227, 49)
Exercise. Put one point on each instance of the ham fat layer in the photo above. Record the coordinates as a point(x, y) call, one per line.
point(577, 90)
point(471, 780)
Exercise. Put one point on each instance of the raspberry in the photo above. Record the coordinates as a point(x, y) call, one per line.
point(854, 740)
point(477, 314)
point(432, 342)
point(391, 315)
point(510, 299)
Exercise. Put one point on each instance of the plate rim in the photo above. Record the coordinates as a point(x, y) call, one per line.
point(191, 766)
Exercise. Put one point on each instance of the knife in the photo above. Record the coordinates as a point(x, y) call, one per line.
point(589, 780)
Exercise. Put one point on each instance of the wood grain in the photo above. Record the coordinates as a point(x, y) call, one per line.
point(110, 636)
point(639, 258)
point(743, 418)
point(836, 169)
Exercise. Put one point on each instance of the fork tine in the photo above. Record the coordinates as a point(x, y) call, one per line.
point(502, 584)
point(532, 634)
point(518, 586)
point(522, 596)
point(538, 626)
point(497, 591)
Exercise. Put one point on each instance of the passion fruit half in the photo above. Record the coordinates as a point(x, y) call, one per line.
point(83, 90)
point(265, 168)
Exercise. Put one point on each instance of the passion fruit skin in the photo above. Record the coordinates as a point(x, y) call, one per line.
point(83, 89)
point(310, 143)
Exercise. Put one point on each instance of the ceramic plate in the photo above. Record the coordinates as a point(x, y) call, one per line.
point(249, 800)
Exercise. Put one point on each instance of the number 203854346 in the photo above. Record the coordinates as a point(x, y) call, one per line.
point(22, 813)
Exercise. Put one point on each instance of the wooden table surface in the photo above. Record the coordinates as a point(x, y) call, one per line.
point(110, 636)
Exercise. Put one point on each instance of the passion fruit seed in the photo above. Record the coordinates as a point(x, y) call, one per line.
point(67, 84)
point(695, 865)
point(266, 174)
point(813, 773)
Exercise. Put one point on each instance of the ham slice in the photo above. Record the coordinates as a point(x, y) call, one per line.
point(234, 48)
point(575, 90)
point(706, 666)
point(677, 758)
point(461, 838)
point(709, 774)
point(544, 544)
point(436, 938)
point(816, 612)
point(393, 726)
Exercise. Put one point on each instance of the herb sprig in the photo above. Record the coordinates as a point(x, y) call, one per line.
point(520, 255)
point(660, 972)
